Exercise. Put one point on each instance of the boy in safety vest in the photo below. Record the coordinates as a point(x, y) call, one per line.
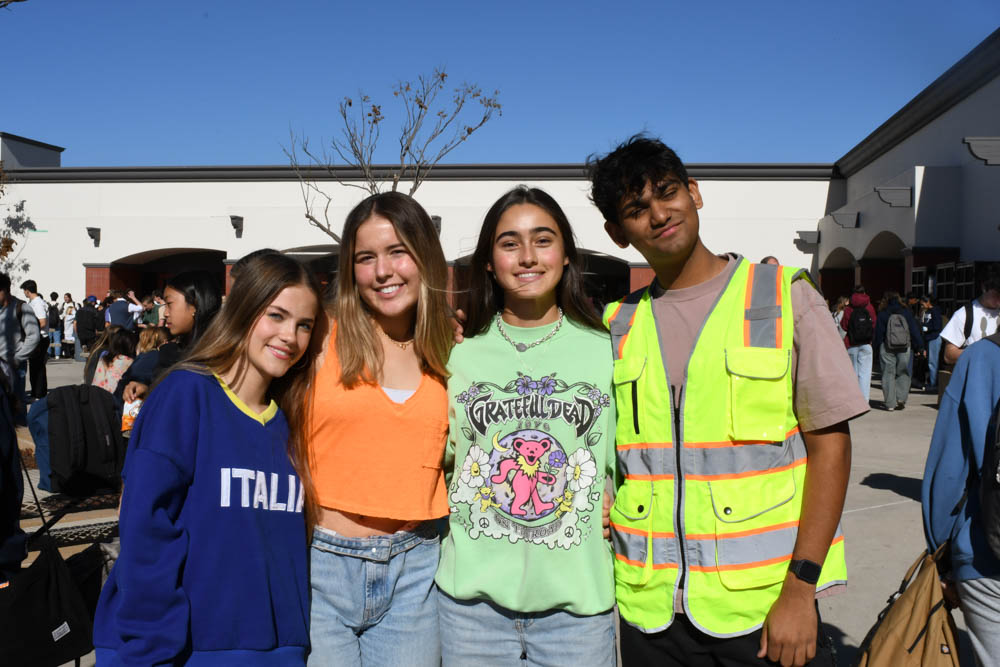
point(733, 395)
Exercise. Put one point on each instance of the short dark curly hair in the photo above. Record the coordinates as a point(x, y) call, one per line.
point(624, 172)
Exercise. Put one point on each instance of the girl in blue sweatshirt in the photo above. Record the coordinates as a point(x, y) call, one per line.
point(216, 491)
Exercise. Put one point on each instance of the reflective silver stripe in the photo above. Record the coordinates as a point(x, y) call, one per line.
point(711, 550)
point(719, 550)
point(629, 545)
point(666, 550)
point(639, 460)
point(763, 296)
point(634, 548)
point(622, 322)
point(734, 458)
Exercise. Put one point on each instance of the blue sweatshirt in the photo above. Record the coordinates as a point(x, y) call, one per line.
point(961, 432)
point(213, 539)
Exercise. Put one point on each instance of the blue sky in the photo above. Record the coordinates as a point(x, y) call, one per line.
point(128, 82)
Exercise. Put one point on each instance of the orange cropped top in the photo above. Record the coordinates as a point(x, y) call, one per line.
point(372, 456)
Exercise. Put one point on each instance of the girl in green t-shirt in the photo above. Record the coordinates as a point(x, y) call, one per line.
point(525, 573)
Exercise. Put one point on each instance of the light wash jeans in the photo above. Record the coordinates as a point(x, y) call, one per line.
point(474, 632)
point(980, 602)
point(861, 359)
point(933, 352)
point(374, 602)
point(895, 376)
point(55, 338)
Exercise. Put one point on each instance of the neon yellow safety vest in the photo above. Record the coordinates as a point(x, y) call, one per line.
point(718, 515)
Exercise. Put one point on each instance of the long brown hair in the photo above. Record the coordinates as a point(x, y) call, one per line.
point(359, 351)
point(486, 296)
point(224, 345)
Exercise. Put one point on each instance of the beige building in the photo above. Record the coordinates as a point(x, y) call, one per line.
point(913, 206)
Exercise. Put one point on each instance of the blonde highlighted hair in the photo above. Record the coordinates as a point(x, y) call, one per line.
point(151, 338)
point(359, 351)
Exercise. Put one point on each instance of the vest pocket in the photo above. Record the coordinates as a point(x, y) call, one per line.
point(632, 520)
point(756, 523)
point(626, 379)
point(758, 392)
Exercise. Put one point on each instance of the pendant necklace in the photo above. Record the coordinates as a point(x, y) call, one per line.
point(524, 347)
point(400, 344)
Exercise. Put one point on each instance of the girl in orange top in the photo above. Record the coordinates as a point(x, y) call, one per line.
point(378, 425)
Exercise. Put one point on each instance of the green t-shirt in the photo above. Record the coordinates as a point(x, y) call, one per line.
point(531, 441)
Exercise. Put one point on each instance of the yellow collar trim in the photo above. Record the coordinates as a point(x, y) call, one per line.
point(261, 418)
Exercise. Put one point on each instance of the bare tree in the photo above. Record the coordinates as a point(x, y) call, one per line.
point(432, 128)
point(5, 3)
point(14, 227)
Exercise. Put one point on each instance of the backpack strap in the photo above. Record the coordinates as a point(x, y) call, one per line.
point(968, 322)
point(994, 337)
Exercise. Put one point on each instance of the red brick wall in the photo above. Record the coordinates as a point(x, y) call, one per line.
point(98, 281)
point(639, 277)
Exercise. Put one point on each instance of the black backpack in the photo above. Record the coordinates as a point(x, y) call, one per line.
point(53, 319)
point(860, 328)
point(989, 477)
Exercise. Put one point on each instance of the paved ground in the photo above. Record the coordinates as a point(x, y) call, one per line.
point(881, 519)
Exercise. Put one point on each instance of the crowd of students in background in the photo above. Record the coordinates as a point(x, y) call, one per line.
point(910, 339)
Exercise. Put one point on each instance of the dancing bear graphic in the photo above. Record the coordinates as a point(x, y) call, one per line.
point(526, 476)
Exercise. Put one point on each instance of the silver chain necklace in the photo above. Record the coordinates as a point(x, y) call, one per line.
point(524, 347)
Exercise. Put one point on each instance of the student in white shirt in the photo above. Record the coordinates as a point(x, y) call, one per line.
point(985, 315)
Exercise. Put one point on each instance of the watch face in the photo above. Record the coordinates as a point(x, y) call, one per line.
point(806, 570)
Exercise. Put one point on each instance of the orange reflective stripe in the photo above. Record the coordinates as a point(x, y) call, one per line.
point(746, 305)
point(742, 533)
point(777, 299)
point(656, 566)
point(736, 443)
point(740, 566)
point(621, 345)
point(642, 533)
point(650, 478)
point(645, 445)
point(748, 473)
point(615, 314)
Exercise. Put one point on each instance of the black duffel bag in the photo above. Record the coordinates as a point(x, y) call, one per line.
point(45, 620)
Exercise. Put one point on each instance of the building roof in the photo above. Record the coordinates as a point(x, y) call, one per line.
point(975, 70)
point(33, 142)
point(449, 172)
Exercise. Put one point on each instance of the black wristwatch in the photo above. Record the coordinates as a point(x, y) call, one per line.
point(806, 570)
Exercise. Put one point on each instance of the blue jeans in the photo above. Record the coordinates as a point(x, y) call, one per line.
point(474, 632)
point(55, 338)
point(38, 426)
point(374, 601)
point(861, 359)
point(933, 351)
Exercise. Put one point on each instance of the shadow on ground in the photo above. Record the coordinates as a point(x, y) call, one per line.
point(908, 487)
point(845, 652)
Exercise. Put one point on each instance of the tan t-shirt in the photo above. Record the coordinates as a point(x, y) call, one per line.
point(826, 387)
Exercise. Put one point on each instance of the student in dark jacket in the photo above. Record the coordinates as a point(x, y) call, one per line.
point(896, 360)
point(192, 300)
point(89, 322)
point(931, 324)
